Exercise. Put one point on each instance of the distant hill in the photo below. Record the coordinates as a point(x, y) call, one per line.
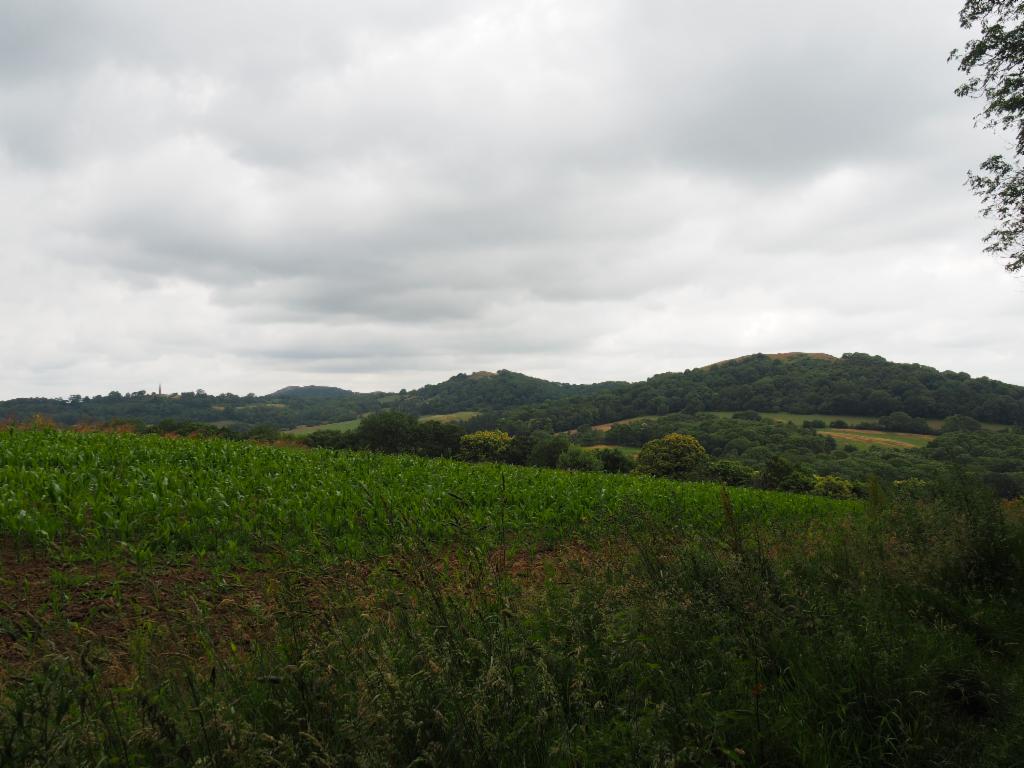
point(855, 384)
point(485, 391)
point(784, 356)
point(309, 392)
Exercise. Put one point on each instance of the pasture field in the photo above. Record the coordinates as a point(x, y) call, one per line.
point(865, 438)
point(348, 426)
point(800, 418)
point(447, 418)
point(207, 602)
point(337, 426)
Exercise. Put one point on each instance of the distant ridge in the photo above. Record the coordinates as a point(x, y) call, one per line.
point(855, 384)
point(784, 356)
point(311, 391)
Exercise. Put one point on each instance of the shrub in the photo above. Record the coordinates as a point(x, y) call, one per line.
point(486, 445)
point(732, 472)
point(576, 458)
point(615, 460)
point(747, 415)
point(674, 455)
point(833, 487)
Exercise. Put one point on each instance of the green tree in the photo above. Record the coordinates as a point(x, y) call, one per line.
point(576, 458)
point(674, 455)
point(486, 445)
point(832, 486)
point(546, 449)
point(993, 62)
point(615, 460)
point(387, 432)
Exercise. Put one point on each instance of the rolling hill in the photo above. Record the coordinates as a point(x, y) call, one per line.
point(812, 383)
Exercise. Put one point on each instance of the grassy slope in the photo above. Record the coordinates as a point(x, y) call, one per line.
point(182, 601)
point(338, 426)
point(451, 417)
point(348, 426)
point(865, 438)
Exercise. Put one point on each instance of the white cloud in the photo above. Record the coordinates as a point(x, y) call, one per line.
point(375, 195)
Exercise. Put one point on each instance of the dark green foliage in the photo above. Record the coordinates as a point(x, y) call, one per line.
point(904, 422)
point(960, 423)
point(546, 449)
point(578, 459)
point(387, 432)
point(615, 460)
point(747, 415)
point(491, 391)
point(677, 456)
point(779, 474)
point(731, 472)
point(855, 384)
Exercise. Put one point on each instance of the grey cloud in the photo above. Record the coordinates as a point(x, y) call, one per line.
point(387, 192)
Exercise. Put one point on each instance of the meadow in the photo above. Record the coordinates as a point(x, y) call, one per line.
point(336, 426)
point(212, 602)
point(865, 438)
point(351, 424)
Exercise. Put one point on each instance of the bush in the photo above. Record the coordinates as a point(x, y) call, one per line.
point(546, 449)
point(732, 473)
point(576, 458)
point(833, 487)
point(780, 475)
point(615, 460)
point(387, 432)
point(958, 423)
point(674, 455)
point(486, 445)
point(747, 415)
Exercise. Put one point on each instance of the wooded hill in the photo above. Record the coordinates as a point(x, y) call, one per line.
point(854, 384)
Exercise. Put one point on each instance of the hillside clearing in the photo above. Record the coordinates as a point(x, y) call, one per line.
point(865, 438)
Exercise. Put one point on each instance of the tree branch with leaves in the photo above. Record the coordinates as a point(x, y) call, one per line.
point(994, 65)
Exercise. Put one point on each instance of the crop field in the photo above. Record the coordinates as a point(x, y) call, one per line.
point(865, 438)
point(210, 602)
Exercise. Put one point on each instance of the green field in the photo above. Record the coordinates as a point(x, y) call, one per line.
point(338, 426)
point(448, 418)
point(209, 602)
point(348, 426)
point(800, 418)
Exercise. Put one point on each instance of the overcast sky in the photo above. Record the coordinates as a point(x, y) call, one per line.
point(237, 196)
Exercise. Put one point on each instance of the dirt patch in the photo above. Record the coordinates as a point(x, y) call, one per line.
point(121, 610)
point(50, 607)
